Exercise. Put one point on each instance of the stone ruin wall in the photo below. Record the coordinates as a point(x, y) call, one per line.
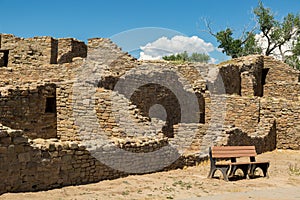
point(49, 153)
point(30, 110)
point(41, 50)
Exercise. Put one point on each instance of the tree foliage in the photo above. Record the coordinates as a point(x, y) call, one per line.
point(293, 59)
point(276, 33)
point(237, 47)
point(184, 57)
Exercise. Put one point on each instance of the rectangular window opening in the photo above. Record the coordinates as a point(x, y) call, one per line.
point(3, 58)
point(50, 105)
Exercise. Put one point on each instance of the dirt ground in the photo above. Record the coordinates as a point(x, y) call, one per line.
point(189, 183)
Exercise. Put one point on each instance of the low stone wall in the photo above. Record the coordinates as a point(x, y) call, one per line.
point(31, 109)
point(42, 164)
point(264, 139)
point(30, 165)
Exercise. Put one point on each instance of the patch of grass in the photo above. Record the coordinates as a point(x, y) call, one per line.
point(294, 170)
point(168, 189)
point(199, 185)
point(183, 185)
point(125, 193)
point(126, 182)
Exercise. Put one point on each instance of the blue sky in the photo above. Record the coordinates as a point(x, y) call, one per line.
point(108, 18)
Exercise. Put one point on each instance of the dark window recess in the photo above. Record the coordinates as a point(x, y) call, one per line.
point(264, 75)
point(50, 105)
point(3, 58)
point(202, 118)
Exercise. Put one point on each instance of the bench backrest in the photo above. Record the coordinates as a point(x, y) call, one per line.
point(232, 151)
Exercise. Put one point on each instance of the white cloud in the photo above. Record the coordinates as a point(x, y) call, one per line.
point(213, 60)
point(177, 44)
point(263, 42)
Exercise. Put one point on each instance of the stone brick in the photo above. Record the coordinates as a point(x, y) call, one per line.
point(24, 157)
point(38, 97)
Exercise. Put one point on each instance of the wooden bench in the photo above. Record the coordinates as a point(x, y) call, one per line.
point(228, 169)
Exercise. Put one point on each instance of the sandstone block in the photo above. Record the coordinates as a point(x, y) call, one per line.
point(24, 157)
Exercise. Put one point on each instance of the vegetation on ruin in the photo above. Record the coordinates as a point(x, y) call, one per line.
point(184, 57)
point(294, 170)
point(276, 34)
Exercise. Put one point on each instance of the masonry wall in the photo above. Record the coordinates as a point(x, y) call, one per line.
point(289, 91)
point(31, 110)
point(281, 80)
point(243, 76)
point(44, 164)
point(243, 112)
point(96, 117)
point(279, 71)
point(30, 51)
point(264, 138)
point(287, 115)
point(69, 48)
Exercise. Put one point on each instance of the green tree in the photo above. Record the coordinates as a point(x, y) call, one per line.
point(276, 33)
point(293, 59)
point(199, 57)
point(183, 57)
point(232, 47)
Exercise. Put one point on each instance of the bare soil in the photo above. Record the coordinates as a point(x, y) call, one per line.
point(188, 183)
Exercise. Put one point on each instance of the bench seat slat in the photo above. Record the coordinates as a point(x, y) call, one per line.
point(222, 148)
point(238, 163)
point(233, 155)
point(233, 151)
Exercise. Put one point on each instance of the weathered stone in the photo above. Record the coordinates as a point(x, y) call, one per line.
point(20, 140)
point(39, 97)
point(24, 157)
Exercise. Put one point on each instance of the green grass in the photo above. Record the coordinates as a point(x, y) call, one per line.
point(183, 185)
point(294, 170)
point(125, 193)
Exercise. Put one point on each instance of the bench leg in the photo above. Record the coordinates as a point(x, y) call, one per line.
point(211, 172)
point(263, 166)
point(265, 170)
point(244, 168)
point(224, 171)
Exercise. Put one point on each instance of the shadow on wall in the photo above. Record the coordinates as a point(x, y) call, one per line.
point(157, 100)
point(262, 143)
point(69, 48)
point(44, 164)
point(67, 57)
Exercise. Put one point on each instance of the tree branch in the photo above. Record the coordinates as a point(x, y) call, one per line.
point(207, 24)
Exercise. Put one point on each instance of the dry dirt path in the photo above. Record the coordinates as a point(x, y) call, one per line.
point(190, 183)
